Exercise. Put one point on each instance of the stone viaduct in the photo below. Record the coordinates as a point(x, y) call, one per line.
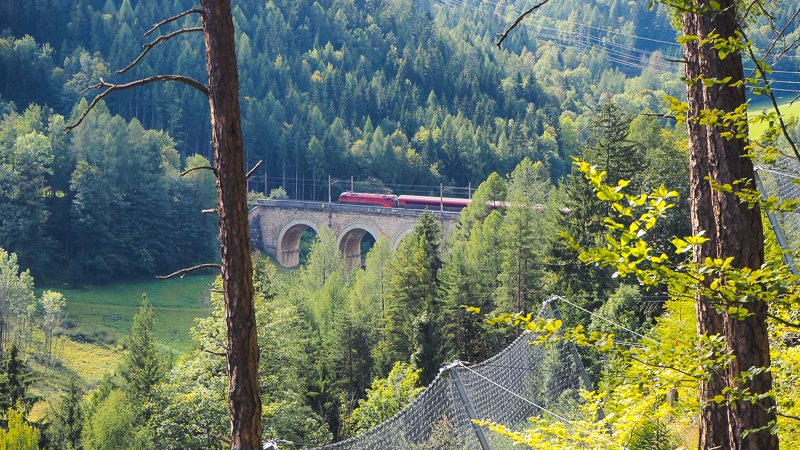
point(276, 226)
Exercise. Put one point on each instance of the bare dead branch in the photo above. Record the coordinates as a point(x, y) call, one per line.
point(172, 19)
point(663, 116)
point(198, 168)
point(504, 35)
point(786, 48)
point(679, 61)
point(220, 437)
point(209, 211)
point(788, 416)
point(253, 170)
point(780, 35)
point(785, 322)
point(121, 87)
point(160, 39)
point(771, 96)
point(749, 9)
point(183, 272)
point(214, 353)
point(772, 18)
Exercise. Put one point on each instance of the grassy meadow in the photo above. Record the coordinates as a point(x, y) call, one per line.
point(104, 314)
point(98, 320)
point(761, 104)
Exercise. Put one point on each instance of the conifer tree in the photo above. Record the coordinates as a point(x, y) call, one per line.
point(66, 424)
point(583, 213)
point(412, 309)
point(142, 368)
point(609, 147)
point(15, 379)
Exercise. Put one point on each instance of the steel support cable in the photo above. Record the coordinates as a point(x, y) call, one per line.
point(563, 419)
point(558, 297)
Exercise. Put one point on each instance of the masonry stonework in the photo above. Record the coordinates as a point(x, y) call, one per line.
point(276, 226)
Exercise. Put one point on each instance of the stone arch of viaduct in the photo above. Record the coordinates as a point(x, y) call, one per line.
point(276, 226)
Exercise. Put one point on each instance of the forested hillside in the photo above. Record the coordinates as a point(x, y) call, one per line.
point(410, 92)
point(407, 91)
point(398, 93)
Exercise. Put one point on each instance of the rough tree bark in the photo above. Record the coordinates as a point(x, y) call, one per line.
point(237, 269)
point(733, 229)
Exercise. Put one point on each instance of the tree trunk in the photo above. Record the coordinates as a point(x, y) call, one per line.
point(237, 269)
point(733, 229)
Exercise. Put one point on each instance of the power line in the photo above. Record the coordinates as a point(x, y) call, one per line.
point(608, 45)
point(605, 43)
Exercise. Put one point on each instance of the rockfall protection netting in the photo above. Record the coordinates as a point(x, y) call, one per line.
point(509, 388)
point(782, 181)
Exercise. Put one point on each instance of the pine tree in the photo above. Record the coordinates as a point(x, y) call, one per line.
point(15, 379)
point(142, 368)
point(66, 424)
point(582, 219)
point(412, 309)
point(609, 147)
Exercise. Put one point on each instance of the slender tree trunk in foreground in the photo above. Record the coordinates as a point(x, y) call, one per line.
point(237, 269)
point(733, 230)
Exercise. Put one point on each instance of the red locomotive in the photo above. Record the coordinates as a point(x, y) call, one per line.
point(357, 198)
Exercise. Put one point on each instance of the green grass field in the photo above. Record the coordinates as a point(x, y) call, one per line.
point(98, 321)
point(762, 104)
point(104, 314)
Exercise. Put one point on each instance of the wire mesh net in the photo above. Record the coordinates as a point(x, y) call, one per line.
point(509, 388)
point(782, 181)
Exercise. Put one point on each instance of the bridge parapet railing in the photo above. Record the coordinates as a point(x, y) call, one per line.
point(339, 207)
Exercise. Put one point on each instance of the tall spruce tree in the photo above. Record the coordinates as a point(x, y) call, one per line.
point(66, 423)
point(15, 379)
point(142, 368)
point(412, 308)
point(583, 215)
point(609, 148)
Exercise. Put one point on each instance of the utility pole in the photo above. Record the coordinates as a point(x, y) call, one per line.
point(330, 205)
point(351, 184)
point(469, 190)
point(441, 197)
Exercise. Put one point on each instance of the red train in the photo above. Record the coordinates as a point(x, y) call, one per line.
point(405, 201)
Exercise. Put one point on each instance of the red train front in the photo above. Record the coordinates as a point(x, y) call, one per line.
point(358, 198)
